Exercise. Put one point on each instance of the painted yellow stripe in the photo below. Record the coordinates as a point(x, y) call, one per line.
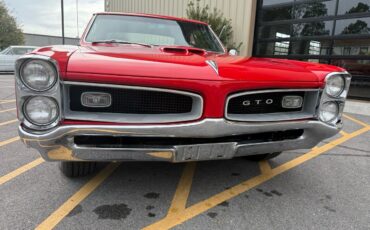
point(196, 209)
point(11, 140)
point(7, 101)
point(183, 189)
point(264, 167)
point(8, 122)
point(7, 110)
point(20, 170)
point(343, 133)
point(355, 120)
point(77, 198)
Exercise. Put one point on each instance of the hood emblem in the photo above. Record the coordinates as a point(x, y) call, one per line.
point(213, 64)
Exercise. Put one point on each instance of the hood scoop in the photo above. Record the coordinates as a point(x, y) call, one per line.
point(184, 50)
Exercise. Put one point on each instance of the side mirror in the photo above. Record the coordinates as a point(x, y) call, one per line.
point(233, 52)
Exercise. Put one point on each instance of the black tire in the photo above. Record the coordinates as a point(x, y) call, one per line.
point(260, 157)
point(73, 169)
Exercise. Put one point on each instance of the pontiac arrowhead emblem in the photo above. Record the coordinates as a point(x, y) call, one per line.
point(213, 64)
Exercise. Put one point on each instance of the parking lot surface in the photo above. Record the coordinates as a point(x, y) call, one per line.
point(326, 187)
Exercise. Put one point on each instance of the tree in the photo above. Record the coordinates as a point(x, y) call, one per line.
point(359, 27)
point(215, 18)
point(360, 8)
point(10, 33)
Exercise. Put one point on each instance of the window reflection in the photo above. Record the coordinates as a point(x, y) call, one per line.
point(353, 6)
point(352, 47)
point(320, 28)
point(316, 8)
point(353, 26)
point(311, 47)
point(272, 31)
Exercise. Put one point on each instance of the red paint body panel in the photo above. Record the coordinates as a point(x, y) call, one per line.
point(154, 67)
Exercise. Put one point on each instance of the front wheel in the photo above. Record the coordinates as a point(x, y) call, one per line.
point(77, 169)
point(261, 157)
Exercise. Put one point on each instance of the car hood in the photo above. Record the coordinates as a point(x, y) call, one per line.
point(188, 63)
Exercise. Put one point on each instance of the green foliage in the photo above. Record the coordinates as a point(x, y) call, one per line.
point(10, 33)
point(359, 27)
point(216, 19)
point(360, 8)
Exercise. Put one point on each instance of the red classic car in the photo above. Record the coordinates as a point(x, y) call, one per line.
point(155, 88)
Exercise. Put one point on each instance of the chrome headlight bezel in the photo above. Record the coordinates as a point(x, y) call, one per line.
point(23, 93)
point(331, 78)
point(338, 98)
point(47, 65)
point(32, 121)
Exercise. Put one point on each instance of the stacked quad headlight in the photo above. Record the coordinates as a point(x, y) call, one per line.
point(38, 92)
point(334, 96)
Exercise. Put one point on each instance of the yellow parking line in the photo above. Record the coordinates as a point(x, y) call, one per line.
point(7, 110)
point(11, 140)
point(183, 189)
point(265, 167)
point(343, 133)
point(355, 120)
point(196, 209)
point(20, 170)
point(8, 122)
point(7, 101)
point(78, 197)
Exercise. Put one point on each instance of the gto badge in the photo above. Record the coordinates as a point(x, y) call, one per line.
point(258, 102)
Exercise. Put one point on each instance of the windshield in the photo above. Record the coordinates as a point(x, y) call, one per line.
point(153, 31)
point(5, 51)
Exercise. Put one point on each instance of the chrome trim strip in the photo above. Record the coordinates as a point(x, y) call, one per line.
point(308, 109)
point(196, 113)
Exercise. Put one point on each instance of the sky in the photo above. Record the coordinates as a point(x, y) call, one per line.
point(44, 16)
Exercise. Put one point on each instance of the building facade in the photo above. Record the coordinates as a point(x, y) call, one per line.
point(45, 40)
point(326, 31)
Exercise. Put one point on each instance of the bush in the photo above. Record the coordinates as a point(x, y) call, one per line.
point(10, 34)
point(215, 18)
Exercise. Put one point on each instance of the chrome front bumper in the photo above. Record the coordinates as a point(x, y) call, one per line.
point(59, 145)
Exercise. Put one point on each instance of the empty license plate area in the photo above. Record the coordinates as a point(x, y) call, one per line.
point(205, 152)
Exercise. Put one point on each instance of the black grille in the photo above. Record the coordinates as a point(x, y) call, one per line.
point(139, 142)
point(133, 101)
point(257, 103)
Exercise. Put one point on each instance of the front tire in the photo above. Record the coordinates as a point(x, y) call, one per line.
point(260, 157)
point(73, 169)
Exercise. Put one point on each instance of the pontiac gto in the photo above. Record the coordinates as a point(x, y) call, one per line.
point(156, 88)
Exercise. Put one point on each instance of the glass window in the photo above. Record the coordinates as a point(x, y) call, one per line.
point(316, 8)
point(351, 47)
point(277, 12)
point(353, 6)
point(273, 48)
point(153, 31)
point(319, 28)
point(274, 31)
point(311, 47)
point(353, 26)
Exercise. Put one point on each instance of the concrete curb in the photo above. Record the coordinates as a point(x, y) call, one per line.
point(357, 107)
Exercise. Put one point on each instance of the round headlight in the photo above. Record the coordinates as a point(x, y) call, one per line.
point(335, 85)
point(329, 111)
point(38, 75)
point(41, 110)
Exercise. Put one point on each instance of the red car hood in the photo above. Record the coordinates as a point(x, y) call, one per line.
point(136, 61)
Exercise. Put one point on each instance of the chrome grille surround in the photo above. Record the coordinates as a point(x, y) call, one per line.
point(309, 108)
point(195, 113)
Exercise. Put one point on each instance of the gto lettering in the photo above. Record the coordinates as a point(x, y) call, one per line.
point(257, 102)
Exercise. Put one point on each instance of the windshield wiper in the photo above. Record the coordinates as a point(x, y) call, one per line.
point(121, 42)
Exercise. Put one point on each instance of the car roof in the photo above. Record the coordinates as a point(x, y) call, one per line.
point(152, 16)
point(24, 46)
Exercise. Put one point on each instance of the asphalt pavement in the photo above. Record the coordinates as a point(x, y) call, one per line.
point(326, 187)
